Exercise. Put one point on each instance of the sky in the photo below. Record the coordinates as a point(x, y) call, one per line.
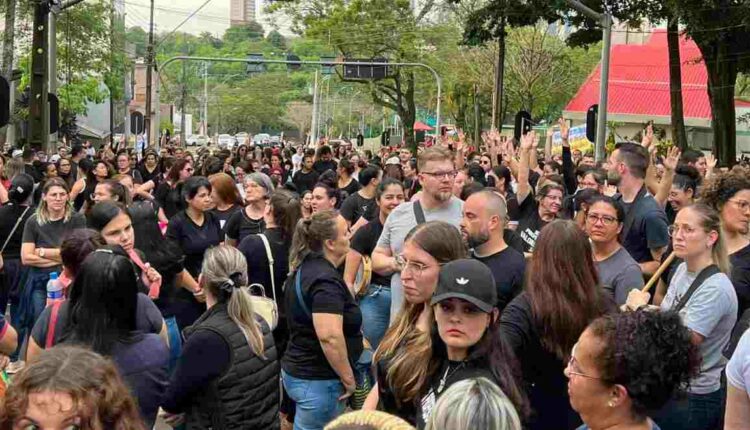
point(214, 17)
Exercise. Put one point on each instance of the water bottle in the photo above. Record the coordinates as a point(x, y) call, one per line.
point(54, 289)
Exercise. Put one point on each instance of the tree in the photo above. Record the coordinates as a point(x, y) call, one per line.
point(239, 33)
point(139, 39)
point(299, 115)
point(276, 39)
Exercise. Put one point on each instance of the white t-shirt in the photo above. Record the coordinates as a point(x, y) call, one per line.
point(399, 223)
point(738, 369)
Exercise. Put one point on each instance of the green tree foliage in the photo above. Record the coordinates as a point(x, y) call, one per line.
point(241, 33)
point(138, 37)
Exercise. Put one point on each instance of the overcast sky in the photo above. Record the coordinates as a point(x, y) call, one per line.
point(214, 17)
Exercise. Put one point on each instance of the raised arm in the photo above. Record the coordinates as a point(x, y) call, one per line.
point(527, 147)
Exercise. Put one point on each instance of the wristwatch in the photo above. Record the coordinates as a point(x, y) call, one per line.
point(40, 251)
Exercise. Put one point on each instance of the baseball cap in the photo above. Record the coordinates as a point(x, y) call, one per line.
point(392, 160)
point(17, 153)
point(469, 280)
point(21, 187)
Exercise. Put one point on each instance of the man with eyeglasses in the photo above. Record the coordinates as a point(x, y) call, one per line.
point(436, 203)
point(618, 272)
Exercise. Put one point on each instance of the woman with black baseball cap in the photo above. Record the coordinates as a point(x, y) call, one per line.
point(470, 344)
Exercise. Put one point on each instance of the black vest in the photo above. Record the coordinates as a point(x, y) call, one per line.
point(246, 396)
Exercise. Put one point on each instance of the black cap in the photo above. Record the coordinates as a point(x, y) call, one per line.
point(21, 188)
point(469, 280)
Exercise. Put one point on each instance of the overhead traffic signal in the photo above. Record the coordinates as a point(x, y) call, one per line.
point(255, 64)
point(366, 71)
point(522, 125)
point(591, 118)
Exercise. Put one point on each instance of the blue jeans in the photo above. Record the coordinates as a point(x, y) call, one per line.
point(692, 412)
point(317, 401)
point(376, 313)
point(33, 299)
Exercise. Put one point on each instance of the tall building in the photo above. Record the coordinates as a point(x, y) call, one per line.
point(241, 12)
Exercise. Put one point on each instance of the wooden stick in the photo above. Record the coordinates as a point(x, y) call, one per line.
point(658, 272)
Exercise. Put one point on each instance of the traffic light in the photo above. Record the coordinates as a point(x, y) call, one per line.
point(54, 113)
point(591, 116)
point(255, 64)
point(522, 125)
point(366, 71)
point(4, 102)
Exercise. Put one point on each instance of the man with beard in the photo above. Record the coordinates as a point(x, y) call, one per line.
point(436, 203)
point(645, 232)
point(535, 212)
point(483, 224)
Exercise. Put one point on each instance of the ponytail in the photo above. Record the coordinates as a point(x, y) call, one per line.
point(225, 274)
point(310, 235)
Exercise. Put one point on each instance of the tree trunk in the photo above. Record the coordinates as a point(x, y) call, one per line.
point(497, 109)
point(722, 76)
point(409, 114)
point(675, 85)
point(9, 38)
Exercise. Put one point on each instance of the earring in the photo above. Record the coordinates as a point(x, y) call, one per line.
point(611, 404)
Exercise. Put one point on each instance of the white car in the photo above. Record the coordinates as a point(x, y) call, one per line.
point(196, 140)
point(226, 141)
point(241, 138)
point(261, 138)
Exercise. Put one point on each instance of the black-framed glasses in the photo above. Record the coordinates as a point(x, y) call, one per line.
point(439, 175)
point(604, 219)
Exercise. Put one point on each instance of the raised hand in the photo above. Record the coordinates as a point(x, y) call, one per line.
point(711, 161)
point(529, 141)
point(672, 158)
point(564, 130)
point(648, 136)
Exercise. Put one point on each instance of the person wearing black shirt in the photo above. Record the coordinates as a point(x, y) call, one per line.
point(361, 207)
point(325, 323)
point(13, 217)
point(534, 212)
point(168, 193)
point(258, 188)
point(482, 227)
point(346, 182)
point(305, 178)
point(194, 230)
point(375, 300)
point(324, 160)
point(149, 169)
point(226, 197)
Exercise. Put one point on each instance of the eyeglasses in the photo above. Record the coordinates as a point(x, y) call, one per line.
point(605, 219)
point(574, 369)
point(742, 205)
point(416, 268)
point(484, 162)
point(685, 229)
point(440, 175)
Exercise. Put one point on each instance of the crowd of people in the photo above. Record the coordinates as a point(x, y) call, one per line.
point(500, 285)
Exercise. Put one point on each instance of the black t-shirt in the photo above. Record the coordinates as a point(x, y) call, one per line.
point(193, 239)
point(351, 188)
point(51, 234)
point(9, 216)
point(649, 229)
point(364, 241)
point(148, 319)
point(356, 206)
point(169, 199)
point(529, 223)
point(321, 166)
point(324, 292)
point(154, 175)
point(135, 174)
point(305, 181)
point(258, 271)
point(223, 216)
point(511, 202)
point(508, 267)
point(387, 401)
point(741, 277)
point(513, 240)
point(239, 226)
point(543, 377)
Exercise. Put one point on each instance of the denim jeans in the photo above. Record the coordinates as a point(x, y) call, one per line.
point(33, 299)
point(692, 412)
point(376, 313)
point(317, 401)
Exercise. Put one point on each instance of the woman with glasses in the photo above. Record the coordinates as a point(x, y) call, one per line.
point(624, 367)
point(324, 321)
point(402, 359)
point(258, 189)
point(124, 167)
point(168, 193)
point(561, 297)
point(618, 272)
point(64, 170)
point(703, 295)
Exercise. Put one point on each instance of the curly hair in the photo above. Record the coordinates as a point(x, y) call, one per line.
point(649, 353)
point(717, 190)
point(99, 394)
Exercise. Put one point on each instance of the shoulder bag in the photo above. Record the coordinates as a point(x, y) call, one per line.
point(267, 308)
point(10, 236)
point(699, 280)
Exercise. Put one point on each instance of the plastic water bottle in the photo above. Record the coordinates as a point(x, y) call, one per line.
point(54, 289)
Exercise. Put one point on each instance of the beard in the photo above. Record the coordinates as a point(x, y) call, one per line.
point(442, 196)
point(473, 241)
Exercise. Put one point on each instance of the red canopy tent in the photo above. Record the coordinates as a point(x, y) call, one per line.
point(420, 126)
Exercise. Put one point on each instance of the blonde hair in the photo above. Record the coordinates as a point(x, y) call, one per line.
point(433, 153)
point(711, 221)
point(368, 420)
point(42, 212)
point(475, 403)
point(409, 351)
point(225, 264)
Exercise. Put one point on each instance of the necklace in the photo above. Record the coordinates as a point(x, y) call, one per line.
point(448, 372)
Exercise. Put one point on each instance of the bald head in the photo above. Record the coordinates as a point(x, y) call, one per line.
point(492, 203)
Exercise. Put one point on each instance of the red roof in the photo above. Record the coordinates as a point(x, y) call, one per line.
point(639, 81)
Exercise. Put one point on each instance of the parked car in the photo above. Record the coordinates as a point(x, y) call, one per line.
point(261, 139)
point(242, 137)
point(196, 140)
point(226, 141)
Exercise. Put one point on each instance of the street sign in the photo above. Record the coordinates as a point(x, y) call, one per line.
point(522, 125)
point(54, 113)
point(136, 123)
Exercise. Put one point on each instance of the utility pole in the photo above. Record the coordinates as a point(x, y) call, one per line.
point(38, 101)
point(605, 20)
point(476, 116)
point(497, 95)
point(112, 54)
point(52, 64)
point(205, 98)
point(182, 104)
point(313, 126)
point(149, 64)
